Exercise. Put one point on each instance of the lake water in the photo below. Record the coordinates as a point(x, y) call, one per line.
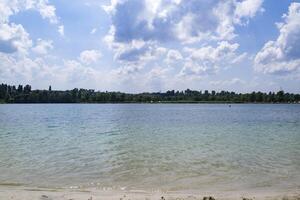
point(176, 147)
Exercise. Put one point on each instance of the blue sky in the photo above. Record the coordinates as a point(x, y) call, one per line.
point(151, 45)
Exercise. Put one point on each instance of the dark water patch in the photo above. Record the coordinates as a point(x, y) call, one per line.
point(109, 133)
point(11, 184)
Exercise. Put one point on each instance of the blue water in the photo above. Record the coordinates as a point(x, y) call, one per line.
point(151, 146)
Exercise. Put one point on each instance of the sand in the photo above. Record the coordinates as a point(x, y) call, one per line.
point(24, 193)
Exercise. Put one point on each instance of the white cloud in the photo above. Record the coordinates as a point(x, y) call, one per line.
point(187, 21)
point(93, 31)
point(61, 30)
point(67, 74)
point(136, 52)
point(128, 70)
point(22, 68)
point(197, 69)
point(222, 83)
point(173, 56)
point(240, 58)
point(208, 60)
point(247, 9)
point(155, 23)
point(10, 7)
point(90, 56)
point(282, 56)
point(74, 72)
point(157, 79)
point(224, 49)
point(43, 46)
point(225, 29)
point(47, 11)
point(14, 38)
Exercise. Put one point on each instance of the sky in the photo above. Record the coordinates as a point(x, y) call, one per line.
point(151, 45)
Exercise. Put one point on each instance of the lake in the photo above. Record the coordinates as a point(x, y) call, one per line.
point(173, 147)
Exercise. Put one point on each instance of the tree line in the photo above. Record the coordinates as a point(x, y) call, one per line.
point(24, 94)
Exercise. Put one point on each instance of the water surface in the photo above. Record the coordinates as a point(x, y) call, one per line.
point(151, 146)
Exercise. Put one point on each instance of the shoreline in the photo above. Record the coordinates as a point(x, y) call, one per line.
point(163, 102)
point(16, 192)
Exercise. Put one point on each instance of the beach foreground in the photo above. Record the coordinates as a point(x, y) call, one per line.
point(24, 193)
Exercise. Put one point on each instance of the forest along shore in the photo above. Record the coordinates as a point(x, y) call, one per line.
point(24, 94)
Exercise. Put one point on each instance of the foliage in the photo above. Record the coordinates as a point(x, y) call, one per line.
point(24, 94)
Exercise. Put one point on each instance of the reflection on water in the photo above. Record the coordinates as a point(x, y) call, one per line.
point(144, 146)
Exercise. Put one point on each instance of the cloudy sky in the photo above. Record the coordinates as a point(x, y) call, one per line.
point(151, 45)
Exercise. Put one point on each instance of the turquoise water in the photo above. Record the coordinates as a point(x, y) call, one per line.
point(151, 146)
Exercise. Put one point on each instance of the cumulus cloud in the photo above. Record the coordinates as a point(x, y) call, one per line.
point(136, 52)
point(16, 61)
point(61, 30)
point(240, 58)
point(146, 37)
point(22, 68)
point(173, 56)
point(185, 20)
point(74, 71)
point(209, 59)
point(157, 79)
point(67, 74)
point(10, 7)
point(90, 56)
point(128, 70)
point(14, 38)
point(47, 11)
point(282, 56)
point(140, 27)
point(247, 9)
point(43, 46)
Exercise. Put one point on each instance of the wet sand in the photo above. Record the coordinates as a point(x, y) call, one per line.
point(24, 193)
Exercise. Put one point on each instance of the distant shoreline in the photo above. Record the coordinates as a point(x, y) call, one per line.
point(24, 94)
point(165, 102)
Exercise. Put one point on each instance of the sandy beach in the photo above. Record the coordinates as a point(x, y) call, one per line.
point(26, 193)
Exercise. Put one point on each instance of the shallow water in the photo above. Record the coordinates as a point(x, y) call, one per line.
point(151, 146)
